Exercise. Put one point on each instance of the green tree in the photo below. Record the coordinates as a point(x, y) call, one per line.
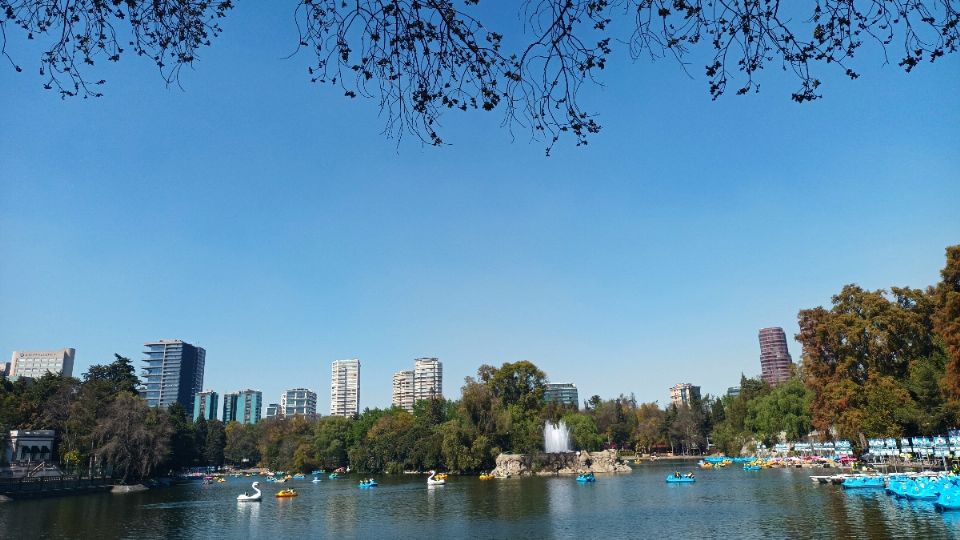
point(786, 409)
point(583, 432)
point(132, 438)
point(215, 443)
point(241, 444)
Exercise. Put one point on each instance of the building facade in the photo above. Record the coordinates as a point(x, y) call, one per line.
point(298, 401)
point(36, 364)
point(172, 373)
point(244, 406)
point(565, 393)
point(273, 410)
point(230, 400)
point(345, 387)
point(403, 390)
point(427, 379)
point(205, 405)
point(776, 364)
point(684, 394)
point(250, 405)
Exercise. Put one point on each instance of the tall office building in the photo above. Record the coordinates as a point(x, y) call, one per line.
point(205, 405)
point(427, 379)
point(776, 365)
point(172, 373)
point(403, 390)
point(345, 387)
point(565, 393)
point(36, 364)
point(683, 394)
point(273, 411)
point(298, 401)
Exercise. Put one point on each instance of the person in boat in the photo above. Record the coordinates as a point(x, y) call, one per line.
point(676, 474)
point(689, 475)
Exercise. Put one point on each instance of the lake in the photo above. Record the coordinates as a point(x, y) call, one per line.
point(777, 503)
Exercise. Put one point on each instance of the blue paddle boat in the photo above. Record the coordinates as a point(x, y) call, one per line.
point(333, 476)
point(677, 478)
point(862, 482)
point(751, 467)
point(584, 478)
point(367, 484)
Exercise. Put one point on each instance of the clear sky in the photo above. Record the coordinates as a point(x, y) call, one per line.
point(268, 220)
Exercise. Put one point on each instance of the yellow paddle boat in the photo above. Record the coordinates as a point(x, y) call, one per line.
point(485, 476)
point(287, 493)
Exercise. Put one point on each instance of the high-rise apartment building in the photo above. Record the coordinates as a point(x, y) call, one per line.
point(273, 410)
point(424, 381)
point(205, 405)
point(776, 365)
point(565, 393)
point(251, 403)
point(244, 406)
point(403, 390)
point(427, 379)
point(684, 394)
point(36, 364)
point(345, 387)
point(172, 373)
point(230, 400)
point(298, 401)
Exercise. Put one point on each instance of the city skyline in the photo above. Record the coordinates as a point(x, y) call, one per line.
point(302, 235)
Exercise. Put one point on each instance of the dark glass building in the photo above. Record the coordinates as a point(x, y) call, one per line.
point(565, 393)
point(776, 365)
point(172, 373)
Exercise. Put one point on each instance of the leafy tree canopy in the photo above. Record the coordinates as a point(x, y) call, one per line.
point(420, 58)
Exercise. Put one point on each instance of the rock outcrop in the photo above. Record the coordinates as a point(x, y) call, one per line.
point(605, 461)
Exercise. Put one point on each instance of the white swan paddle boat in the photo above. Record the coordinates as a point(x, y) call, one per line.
point(432, 482)
point(255, 497)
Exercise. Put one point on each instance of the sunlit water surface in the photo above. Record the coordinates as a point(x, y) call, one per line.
point(721, 504)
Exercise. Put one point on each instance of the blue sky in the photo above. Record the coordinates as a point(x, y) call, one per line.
point(268, 220)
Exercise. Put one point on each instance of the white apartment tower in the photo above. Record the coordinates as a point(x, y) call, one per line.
point(345, 387)
point(298, 401)
point(403, 390)
point(425, 381)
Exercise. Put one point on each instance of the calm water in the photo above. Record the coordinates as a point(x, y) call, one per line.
point(723, 503)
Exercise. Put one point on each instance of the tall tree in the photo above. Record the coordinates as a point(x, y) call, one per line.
point(947, 321)
point(132, 438)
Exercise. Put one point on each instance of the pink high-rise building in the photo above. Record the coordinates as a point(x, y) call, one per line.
point(775, 361)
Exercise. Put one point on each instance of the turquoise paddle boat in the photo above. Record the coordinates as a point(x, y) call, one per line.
point(677, 478)
point(862, 482)
point(333, 476)
point(751, 467)
point(584, 478)
point(367, 484)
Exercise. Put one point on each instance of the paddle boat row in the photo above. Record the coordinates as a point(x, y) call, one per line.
point(942, 490)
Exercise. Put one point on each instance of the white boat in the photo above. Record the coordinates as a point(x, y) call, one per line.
point(432, 482)
point(254, 497)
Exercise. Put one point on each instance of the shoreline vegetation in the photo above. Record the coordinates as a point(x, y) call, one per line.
point(874, 364)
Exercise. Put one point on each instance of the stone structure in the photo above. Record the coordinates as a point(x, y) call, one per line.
point(605, 461)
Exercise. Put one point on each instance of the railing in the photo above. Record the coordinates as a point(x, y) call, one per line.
point(36, 484)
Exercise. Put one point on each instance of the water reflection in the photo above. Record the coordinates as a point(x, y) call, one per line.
point(727, 503)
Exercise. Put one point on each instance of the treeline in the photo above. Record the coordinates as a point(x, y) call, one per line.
point(876, 364)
